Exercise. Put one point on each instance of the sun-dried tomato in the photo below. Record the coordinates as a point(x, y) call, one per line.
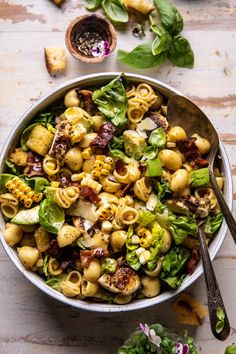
point(191, 152)
point(193, 261)
point(34, 165)
point(105, 134)
point(54, 250)
point(86, 101)
point(89, 193)
point(87, 256)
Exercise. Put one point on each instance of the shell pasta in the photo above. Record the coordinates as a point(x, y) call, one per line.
point(103, 197)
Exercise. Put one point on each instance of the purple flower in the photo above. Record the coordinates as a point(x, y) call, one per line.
point(182, 349)
point(151, 334)
point(101, 49)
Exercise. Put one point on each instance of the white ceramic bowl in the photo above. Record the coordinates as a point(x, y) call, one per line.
point(46, 100)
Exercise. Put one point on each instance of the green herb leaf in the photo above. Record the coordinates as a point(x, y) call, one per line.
point(149, 153)
point(141, 57)
point(157, 138)
point(182, 226)
point(131, 256)
point(120, 155)
point(162, 188)
point(161, 42)
point(38, 184)
point(115, 11)
point(117, 143)
point(112, 101)
point(51, 216)
point(220, 313)
point(171, 19)
point(146, 217)
point(180, 52)
point(54, 282)
point(93, 4)
point(200, 178)
point(213, 223)
point(230, 349)
point(12, 167)
point(155, 249)
point(220, 326)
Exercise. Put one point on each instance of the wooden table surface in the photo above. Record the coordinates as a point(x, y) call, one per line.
point(30, 322)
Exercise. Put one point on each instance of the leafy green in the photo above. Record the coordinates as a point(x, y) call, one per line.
point(25, 136)
point(47, 120)
point(190, 342)
point(149, 153)
point(115, 11)
point(172, 266)
point(45, 265)
point(38, 184)
point(103, 295)
point(117, 143)
point(4, 178)
point(51, 216)
point(180, 52)
point(93, 4)
point(220, 314)
point(157, 138)
point(162, 188)
point(155, 249)
point(213, 223)
point(182, 226)
point(141, 57)
point(154, 167)
point(12, 167)
point(200, 178)
point(171, 19)
point(112, 101)
point(146, 217)
point(230, 349)
point(108, 265)
point(131, 256)
point(162, 41)
point(120, 155)
point(54, 282)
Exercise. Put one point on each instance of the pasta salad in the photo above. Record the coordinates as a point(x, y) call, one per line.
point(102, 197)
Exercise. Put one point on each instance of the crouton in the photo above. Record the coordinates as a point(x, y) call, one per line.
point(18, 157)
point(55, 58)
point(57, 2)
point(40, 140)
point(189, 311)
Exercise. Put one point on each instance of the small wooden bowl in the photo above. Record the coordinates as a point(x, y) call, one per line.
point(87, 35)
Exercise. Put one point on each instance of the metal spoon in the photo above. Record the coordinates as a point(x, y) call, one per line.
point(181, 111)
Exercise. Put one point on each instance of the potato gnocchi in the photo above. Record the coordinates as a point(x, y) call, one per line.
point(105, 204)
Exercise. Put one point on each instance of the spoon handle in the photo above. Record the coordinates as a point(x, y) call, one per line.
point(215, 301)
point(224, 207)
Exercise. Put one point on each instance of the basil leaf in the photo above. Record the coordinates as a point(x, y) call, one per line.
point(141, 57)
point(12, 167)
point(93, 4)
point(51, 216)
point(162, 41)
point(25, 136)
point(220, 314)
point(220, 326)
point(180, 52)
point(171, 19)
point(115, 11)
point(112, 101)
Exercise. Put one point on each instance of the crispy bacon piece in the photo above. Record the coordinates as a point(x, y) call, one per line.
point(191, 152)
point(34, 165)
point(87, 256)
point(160, 120)
point(54, 250)
point(89, 193)
point(193, 261)
point(105, 134)
point(65, 264)
point(120, 166)
point(86, 101)
point(60, 141)
point(142, 168)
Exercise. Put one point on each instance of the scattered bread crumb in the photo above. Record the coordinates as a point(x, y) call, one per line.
point(55, 58)
point(189, 311)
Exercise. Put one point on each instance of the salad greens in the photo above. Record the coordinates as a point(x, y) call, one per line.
point(108, 265)
point(117, 143)
point(200, 178)
point(155, 249)
point(12, 167)
point(154, 167)
point(51, 216)
point(38, 184)
point(54, 282)
point(172, 266)
point(4, 178)
point(157, 138)
point(182, 226)
point(213, 223)
point(162, 188)
point(155, 338)
point(112, 101)
point(131, 256)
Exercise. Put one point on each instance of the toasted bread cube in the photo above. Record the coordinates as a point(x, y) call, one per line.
point(18, 157)
point(40, 140)
point(55, 58)
point(57, 2)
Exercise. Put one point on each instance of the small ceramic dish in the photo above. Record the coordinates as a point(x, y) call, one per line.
point(91, 38)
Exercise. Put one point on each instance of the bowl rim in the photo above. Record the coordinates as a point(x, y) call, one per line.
point(95, 306)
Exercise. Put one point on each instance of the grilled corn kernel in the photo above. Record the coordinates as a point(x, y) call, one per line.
point(144, 258)
point(22, 192)
point(105, 212)
point(79, 176)
point(92, 184)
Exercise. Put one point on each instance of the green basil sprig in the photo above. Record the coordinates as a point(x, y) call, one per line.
point(93, 4)
point(115, 10)
point(220, 314)
point(171, 19)
point(180, 52)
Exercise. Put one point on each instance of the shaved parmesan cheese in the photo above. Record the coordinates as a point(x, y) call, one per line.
point(146, 124)
point(152, 202)
point(87, 241)
point(84, 209)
